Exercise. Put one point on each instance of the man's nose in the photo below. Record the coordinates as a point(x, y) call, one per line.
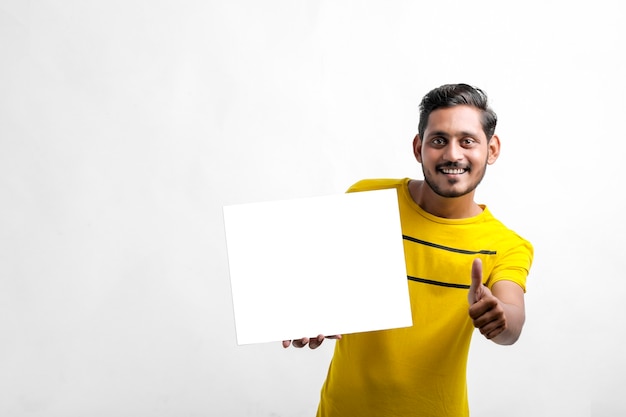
point(453, 152)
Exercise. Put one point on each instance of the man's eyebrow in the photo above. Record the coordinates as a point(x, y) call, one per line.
point(467, 133)
point(438, 133)
point(447, 135)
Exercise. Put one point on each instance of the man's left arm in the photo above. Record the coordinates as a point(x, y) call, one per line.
point(499, 313)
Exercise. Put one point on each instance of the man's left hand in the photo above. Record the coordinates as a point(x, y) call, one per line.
point(486, 311)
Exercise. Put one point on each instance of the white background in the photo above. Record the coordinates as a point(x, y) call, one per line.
point(125, 126)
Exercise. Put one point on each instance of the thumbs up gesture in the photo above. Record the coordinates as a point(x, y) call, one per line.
point(485, 310)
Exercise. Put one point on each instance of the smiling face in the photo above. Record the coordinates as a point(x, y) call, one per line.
point(454, 151)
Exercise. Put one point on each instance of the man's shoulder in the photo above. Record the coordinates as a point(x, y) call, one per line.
point(377, 184)
point(497, 228)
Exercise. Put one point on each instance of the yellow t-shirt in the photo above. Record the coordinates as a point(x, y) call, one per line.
point(421, 370)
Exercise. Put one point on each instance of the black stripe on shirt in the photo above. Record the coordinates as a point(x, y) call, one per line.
point(441, 284)
point(463, 251)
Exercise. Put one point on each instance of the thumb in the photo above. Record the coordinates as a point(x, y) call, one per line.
point(476, 288)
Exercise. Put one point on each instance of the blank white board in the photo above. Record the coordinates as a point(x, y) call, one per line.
point(321, 265)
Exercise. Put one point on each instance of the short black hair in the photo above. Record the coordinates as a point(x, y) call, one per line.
point(450, 95)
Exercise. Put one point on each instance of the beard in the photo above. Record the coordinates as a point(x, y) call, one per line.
point(429, 179)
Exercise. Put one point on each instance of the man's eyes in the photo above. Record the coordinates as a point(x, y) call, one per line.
point(442, 141)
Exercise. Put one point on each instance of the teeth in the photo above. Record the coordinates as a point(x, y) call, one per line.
point(453, 171)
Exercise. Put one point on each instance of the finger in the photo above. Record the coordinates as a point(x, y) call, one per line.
point(475, 291)
point(315, 342)
point(299, 343)
point(483, 306)
point(491, 333)
point(486, 324)
point(490, 324)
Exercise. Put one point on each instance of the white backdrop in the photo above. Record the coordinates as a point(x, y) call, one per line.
point(125, 126)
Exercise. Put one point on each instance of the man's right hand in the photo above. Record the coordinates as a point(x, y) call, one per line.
point(313, 342)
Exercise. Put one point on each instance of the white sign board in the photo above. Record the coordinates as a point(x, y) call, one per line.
point(322, 265)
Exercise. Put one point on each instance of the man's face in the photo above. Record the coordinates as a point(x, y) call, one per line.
point(454, 151)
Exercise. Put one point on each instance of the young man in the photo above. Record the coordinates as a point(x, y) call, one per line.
point(465, 269)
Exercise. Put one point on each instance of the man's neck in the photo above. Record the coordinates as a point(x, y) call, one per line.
point(445, 207)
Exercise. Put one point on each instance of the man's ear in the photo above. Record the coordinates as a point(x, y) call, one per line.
point(417, 148)
point(494, 149)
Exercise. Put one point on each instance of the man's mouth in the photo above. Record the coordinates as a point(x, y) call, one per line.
point(453, 171)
